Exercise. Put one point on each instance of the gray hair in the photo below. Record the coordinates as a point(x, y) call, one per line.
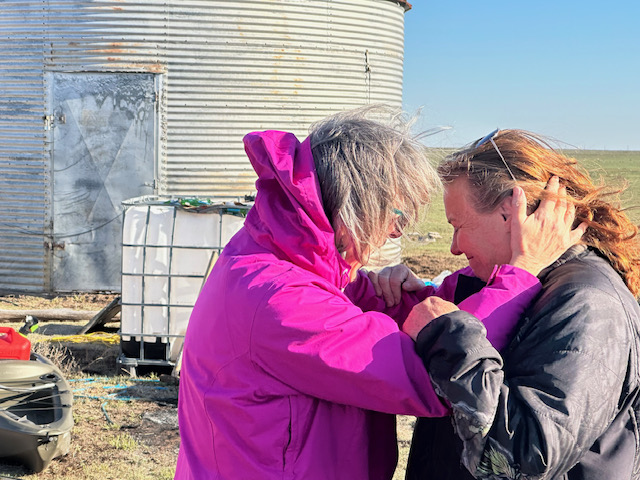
point(369, 170)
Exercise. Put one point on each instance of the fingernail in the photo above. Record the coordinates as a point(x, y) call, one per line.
point(517, 195)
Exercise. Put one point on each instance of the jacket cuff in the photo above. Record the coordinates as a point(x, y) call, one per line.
point(464, 369)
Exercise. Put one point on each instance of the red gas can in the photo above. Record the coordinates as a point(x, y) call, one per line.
point(13, 345)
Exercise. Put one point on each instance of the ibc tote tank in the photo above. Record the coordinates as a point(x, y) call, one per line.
point(113, 99)
point(168, 252)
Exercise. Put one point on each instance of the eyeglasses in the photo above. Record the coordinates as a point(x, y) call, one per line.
point(399, 225)
point(490, 138)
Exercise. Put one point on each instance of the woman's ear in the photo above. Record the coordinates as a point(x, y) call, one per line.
point(340, 235)
point(505, 210)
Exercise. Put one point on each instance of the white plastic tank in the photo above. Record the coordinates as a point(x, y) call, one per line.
point(168, 249)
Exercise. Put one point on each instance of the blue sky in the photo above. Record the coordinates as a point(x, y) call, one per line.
point(566, 69)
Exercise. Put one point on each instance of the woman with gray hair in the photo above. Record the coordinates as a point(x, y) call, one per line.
point(292, 366)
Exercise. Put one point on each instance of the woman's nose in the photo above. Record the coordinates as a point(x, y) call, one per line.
point(454, 245)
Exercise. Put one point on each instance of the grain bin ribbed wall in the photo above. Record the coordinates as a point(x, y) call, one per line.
point(220, 69)
point(268, 65)
point(24, 166)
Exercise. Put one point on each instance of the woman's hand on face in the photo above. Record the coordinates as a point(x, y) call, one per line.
point(390, 282)
point(537, 240)
point(424, 312)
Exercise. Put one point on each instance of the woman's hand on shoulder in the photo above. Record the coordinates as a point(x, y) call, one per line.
point(539, 239)
point(390, 282)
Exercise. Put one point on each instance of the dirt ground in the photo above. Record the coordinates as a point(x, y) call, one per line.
point(429, 265)
point(126, 428)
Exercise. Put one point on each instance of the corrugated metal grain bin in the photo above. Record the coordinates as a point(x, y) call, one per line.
point(101, 101)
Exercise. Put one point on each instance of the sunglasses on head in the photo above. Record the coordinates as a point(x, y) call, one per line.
point(490, 138)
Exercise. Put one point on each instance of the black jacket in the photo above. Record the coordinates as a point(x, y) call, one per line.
point(567, 401)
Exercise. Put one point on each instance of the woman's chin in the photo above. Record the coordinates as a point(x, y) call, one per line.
point(480, 272)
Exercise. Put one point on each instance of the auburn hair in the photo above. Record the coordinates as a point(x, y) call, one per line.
point(533, 162)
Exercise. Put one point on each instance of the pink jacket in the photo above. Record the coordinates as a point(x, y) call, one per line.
point(283, 376)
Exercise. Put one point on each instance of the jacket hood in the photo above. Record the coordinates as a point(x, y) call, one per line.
point(287, 217)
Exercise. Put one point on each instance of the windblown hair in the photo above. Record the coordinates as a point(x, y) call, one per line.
point(369, 170)
point(533, 162)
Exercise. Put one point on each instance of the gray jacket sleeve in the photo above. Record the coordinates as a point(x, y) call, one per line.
point(465, 369)
point(562, 384)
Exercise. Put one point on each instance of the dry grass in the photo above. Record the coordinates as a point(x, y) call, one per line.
point(428, 264)
point(405, 431)
point(125, 429)
point(77, 301)
point(59, 355)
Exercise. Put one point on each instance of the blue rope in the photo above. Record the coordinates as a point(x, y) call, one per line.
point(110, 396)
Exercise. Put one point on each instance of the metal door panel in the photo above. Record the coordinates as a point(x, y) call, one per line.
point(104, 131)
